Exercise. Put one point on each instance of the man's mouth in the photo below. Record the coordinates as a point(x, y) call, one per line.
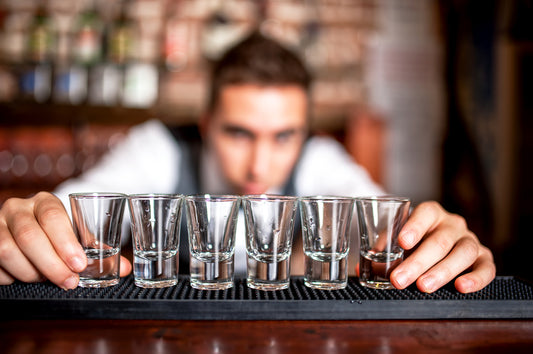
point(254, 188)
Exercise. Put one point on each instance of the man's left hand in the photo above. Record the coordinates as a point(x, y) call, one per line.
point(445, 248)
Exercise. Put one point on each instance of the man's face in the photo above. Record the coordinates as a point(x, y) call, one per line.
point(256, 134)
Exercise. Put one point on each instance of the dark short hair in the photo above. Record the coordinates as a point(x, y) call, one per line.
point(259, 60)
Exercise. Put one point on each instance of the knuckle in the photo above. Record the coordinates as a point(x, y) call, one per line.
point(11, 204)
point(432, 206)
point(470, 248)
point(50, 214)
point(486, 252)
point(443, 244)
point(6, 249)
point(492, 273)
point(42, 195)
point(459, 221)
point(25, 235)
point(427, 206)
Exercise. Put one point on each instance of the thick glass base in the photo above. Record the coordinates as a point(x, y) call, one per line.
point(325, 285)
point(143, 283)
point(268, 286)
point(211, 285)
point(382, 285)
point(97, 283)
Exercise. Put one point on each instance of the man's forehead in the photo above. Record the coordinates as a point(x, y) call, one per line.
point(273, 108)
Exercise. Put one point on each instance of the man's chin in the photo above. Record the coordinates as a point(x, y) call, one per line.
point(253, 190)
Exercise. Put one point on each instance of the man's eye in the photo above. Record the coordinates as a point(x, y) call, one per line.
point(284, 137)
point(238, 134)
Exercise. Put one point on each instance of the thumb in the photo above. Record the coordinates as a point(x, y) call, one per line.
point(125, 266)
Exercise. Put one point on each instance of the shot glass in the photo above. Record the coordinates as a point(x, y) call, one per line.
point(155, 226)
point(380, 221)
point(97, 222)
point(326, 240)
point(269, 222)
point(212, 222)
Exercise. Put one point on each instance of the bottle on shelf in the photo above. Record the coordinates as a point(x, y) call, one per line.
point(107, 77)
point(141, 71)
point(36, 73)
point(74, 71)
point(70, 78)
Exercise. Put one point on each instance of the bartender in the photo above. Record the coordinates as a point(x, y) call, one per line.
point(252, 139)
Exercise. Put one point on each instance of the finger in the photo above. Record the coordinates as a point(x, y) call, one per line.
point(463, 255)
point(5, 278)
point(54, 220)
point(483, 272)
point(424, 219)
point(13, 261)
point(125, 266)
point(435, 247)
point(35, 245)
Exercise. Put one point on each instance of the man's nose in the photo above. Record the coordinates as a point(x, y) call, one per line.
point(260, 160)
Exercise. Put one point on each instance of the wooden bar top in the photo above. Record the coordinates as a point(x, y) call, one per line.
point(146, 336)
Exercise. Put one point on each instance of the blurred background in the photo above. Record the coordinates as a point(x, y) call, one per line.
point(433, 97)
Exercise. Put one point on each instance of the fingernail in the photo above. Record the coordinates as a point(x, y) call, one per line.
point(408, 238)
point(467, 285)
point(402, 279)
point(77, 264)
point(70, 283)
point(428, 283)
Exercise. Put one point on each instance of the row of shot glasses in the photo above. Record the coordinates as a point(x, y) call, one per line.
point(212, 224)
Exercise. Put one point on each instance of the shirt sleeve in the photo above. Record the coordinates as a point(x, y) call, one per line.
point(146, 161)
point(326, 168)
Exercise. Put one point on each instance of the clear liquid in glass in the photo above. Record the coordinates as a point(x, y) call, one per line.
point(266, 272)
point(326, 271)
point(212, 270)
point(153, 269)
point(375, 268)
point(103, 268)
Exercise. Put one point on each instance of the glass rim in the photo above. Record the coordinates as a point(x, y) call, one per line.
point(149, 196)
point(270, 197)
point(212, 197)
point(326, 198)
point(384, 198)
point(97, 195)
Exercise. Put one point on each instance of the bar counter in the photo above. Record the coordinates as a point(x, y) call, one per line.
point(184, 336)
point(125, 319)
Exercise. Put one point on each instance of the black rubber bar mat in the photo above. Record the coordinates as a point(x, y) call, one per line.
point(504, 298)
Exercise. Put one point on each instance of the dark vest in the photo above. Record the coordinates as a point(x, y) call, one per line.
point(190, 143)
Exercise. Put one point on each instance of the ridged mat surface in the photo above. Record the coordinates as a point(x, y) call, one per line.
point(505, 297)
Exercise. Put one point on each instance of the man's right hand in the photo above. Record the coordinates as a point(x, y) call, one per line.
point(37, 242)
